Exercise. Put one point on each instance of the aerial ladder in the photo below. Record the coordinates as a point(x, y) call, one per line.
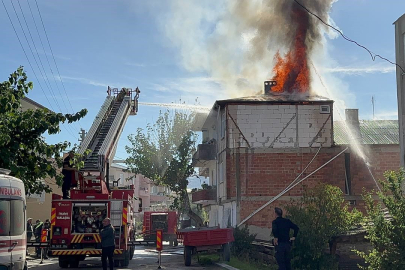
point(76, 222)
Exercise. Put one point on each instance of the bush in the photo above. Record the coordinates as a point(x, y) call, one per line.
point(386, 232)
point(321, 214)
point(243, 240)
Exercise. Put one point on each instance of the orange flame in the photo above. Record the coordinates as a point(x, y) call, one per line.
point(292, 71)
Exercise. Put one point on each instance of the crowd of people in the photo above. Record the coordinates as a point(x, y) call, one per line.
point(35, 231)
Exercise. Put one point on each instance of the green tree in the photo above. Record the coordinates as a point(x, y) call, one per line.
point(321, 214)
point(23, 149)
point(386, 225)
point(163, 153)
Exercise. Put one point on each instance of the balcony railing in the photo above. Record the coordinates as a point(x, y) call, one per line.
point(205, 152)
point(205, 196)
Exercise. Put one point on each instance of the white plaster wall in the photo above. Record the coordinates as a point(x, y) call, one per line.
point(275, 126)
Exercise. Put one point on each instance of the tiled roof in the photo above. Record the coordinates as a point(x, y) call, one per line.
point(372, 132)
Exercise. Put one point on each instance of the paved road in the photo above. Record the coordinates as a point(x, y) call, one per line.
point(144, 258)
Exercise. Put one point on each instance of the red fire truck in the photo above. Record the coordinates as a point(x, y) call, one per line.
point(166, 221)
point(76, 222)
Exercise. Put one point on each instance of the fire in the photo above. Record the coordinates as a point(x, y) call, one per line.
point(292, 71)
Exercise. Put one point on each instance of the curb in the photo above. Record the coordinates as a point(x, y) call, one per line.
point(227, 266)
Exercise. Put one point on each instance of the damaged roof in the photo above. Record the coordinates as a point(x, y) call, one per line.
point(277, 98)
point(372, 132)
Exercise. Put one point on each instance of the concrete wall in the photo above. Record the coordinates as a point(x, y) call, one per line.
point(39, 206)
point(279, 126)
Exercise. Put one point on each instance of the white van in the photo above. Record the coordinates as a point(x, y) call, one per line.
point(13, 236)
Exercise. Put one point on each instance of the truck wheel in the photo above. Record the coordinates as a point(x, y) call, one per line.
point(116, 263)
point(74, 263)
point(125, 261)
point(187, 255)
point(176, 243)
point(226, 251)
point(63, 262)
point(131, 252)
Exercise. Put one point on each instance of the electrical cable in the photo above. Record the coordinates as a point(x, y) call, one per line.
point(29, 46)
point(372, 54)
point(26, 56)
point(47, 59)
point(54, 60)
point(291, 187)
point(44, 75)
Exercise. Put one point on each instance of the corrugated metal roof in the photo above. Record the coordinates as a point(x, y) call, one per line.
point(372, 132)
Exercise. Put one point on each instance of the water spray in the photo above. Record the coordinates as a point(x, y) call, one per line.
point(196, 108)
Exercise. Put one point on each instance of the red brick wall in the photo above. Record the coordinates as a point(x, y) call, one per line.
point(267, 174)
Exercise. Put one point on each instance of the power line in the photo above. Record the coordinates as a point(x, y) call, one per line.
point(33, 55)
point(43, 68)
point(373, 55)
point(53, 56)
point(39, 58)
point(47, 59)
point(29, 46)
point(26, 56)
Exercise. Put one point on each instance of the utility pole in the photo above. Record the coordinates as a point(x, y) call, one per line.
point(82, 135)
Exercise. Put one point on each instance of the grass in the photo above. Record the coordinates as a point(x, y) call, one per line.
point(210, 259)
point(244, 265)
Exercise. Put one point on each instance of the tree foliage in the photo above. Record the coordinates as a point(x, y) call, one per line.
point(386, 225)
point(321, 214)
point(163, 153)
point(23, 149)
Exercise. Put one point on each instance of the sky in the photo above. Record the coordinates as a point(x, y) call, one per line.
point(183, 50)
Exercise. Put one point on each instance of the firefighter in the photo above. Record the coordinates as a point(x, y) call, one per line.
point(47, 226)
point(67, 172)
point(281, 231)
point(107, 244)
point(37, 232)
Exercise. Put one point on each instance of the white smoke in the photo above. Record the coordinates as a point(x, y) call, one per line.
point(235, 41)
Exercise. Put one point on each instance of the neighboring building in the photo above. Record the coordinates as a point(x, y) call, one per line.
point(254, 147)
point(27, 103)
point(39, 205)
point(153, 198)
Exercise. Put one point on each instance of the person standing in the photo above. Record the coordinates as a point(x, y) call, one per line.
point(107, 244)
point(47, 226)
point(29, 231)
point(281, 231)
point(37, 232)
point(67, 172)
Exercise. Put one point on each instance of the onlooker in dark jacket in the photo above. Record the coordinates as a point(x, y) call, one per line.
point(107, 244)
point(281, 230)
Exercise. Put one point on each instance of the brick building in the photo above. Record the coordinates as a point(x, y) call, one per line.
point(254, 147)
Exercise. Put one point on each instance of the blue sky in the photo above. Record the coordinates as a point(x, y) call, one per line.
point(162, 47)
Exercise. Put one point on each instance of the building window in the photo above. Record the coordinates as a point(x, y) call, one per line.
point(223, 124)
point(348, 178)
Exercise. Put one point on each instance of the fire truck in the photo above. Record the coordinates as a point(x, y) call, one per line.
point(76, 222)
point(165, 221)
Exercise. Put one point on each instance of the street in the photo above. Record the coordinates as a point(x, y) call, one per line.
point(144, 258)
